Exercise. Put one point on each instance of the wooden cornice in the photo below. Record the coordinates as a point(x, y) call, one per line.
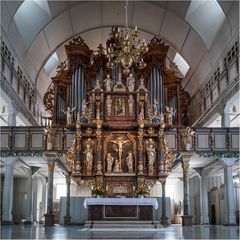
point(171, 78)
point(78, 47)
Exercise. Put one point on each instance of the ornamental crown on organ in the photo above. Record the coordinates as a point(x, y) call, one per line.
point(120, 119)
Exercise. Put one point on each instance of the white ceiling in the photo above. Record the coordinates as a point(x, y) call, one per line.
point(170, 20)
point(22, 165)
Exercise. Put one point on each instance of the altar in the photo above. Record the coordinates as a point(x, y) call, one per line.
point(140, 209)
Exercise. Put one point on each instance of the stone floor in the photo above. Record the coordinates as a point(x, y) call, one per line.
point(78, 232)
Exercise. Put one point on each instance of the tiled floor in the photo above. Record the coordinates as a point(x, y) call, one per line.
point(78, 232)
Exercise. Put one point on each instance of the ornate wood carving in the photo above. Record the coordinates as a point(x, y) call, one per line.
point(119, 144)
point(48, 100)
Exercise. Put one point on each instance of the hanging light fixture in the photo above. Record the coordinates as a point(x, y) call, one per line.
point(125, 48)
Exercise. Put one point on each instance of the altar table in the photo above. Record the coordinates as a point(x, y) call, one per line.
point(120, 208)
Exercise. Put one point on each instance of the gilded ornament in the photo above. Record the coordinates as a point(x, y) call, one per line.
point(89, 131)
point(150, 131)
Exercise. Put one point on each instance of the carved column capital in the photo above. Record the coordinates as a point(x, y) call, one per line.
point(228, 161)
point(186, 157)
point(51, 158)
point(202, 172)
point(162, 180)
point(51, 165)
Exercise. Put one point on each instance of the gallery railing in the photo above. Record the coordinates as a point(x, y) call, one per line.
point(32, 141)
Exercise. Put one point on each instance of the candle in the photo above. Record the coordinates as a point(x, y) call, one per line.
point(135, 28)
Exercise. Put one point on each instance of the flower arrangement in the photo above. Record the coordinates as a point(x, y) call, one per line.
point(98, 192)
point(142, 192)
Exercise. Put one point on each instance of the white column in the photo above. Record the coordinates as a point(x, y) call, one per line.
point(29, 215)
point(203, 174)
point(49, 216)
point(186, 218)
point(226, 119)
point(8, 189)
point(229, 203)
point(67, 217)
point(12, 113)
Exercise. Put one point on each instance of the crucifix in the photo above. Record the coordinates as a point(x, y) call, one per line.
point(120, 143)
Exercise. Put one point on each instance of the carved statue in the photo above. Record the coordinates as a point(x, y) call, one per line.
point(155, 108)
point(151, 158)
point(120, 143)
point(141, 114)
point(131, 83)
point(89, 158)
point(98, 114)
point(108, 83)
point(129, 161)
point(187, 138)
point(110, 161)
point(141, 85)
point(131, 105)
point(162, 121)
point(150, 110)
point(49, 132)
point(90, 106)
point(68, 114)
point(109, 105)
point(169, 115)
point(97, 87)
point(117, 166)
point(84, 107)
point(119, 85)
point(119, 106)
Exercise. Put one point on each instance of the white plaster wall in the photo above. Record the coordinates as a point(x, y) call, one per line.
point(174, 190)
point(156, 190)
point(215, 181)
point(80, 190)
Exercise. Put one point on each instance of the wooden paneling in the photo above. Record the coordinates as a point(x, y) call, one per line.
point(219, 136)
point(202, 137)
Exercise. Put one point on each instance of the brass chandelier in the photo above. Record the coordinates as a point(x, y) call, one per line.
point(126, 48)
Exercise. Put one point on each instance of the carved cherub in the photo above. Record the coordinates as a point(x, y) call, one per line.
point(68, 114)
point(49, 132)
point(187, 135)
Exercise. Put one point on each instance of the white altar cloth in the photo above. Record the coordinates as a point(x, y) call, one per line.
point(121, 201)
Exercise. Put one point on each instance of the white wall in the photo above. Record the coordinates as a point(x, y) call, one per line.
point(81, 190)
point(215, 181)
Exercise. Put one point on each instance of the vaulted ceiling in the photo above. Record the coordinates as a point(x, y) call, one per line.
point(197, 30)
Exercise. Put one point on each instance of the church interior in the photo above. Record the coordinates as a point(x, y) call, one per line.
point(119, 119)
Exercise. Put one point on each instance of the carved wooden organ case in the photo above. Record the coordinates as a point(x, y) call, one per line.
point(118, 120)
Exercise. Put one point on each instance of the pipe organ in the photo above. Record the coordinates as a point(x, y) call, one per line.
point(118, 120)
